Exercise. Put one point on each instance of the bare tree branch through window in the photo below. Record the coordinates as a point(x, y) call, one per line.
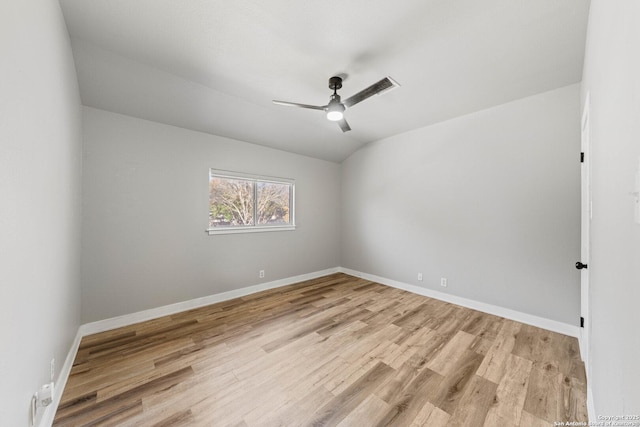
point(240, 202)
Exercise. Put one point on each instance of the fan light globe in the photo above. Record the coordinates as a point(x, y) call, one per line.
point(335, 109)
point(334, 116)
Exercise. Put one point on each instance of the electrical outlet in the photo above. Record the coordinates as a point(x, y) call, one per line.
point(420, 276)
point(443, 282)
point(45, 395)
point(261, 274)
point(52, 368)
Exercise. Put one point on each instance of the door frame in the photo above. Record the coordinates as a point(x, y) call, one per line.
point(586, 215)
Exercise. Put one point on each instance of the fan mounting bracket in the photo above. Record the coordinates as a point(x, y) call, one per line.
point(335, 83)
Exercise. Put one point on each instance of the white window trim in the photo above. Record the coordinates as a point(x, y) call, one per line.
point(250, 229)
point(256, 228)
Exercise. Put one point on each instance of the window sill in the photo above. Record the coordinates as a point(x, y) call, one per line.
point(240, 230)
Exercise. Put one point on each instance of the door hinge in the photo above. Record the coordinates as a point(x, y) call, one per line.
point(581, 322)
point(581, 157)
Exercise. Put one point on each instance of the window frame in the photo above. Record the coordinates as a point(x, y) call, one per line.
point(255, 228)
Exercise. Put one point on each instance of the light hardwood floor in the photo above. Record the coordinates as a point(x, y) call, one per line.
point(337, 350)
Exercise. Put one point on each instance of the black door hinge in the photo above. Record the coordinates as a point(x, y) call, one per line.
point(581, 157)
point(582, 322)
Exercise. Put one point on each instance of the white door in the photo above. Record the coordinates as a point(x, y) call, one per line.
point(585, 218)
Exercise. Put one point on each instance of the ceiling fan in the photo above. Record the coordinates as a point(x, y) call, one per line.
point(335, 108)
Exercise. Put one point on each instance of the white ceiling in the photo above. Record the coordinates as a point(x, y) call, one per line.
point(214, 66)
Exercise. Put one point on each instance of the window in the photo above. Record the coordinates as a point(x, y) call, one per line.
point(243, 203)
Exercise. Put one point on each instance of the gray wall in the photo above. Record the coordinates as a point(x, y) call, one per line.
point(40, 164)
point(490, 200)
point(612, 76)
point(145, 195)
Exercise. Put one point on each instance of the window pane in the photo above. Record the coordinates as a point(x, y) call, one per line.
point(273, 203)
point(230, 202)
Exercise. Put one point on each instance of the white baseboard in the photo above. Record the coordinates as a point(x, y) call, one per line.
point(529, 319)
point(591, 408)
point(583, 351)
point(50, 412)
point(154, 313)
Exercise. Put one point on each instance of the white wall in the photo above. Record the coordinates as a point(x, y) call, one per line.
point(40, 166)
point(145, 201)
point(612, 77)
point(489, 200)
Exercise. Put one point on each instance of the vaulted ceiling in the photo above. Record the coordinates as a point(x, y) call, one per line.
point(215, 66)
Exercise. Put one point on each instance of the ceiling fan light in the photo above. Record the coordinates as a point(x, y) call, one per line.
point(334, 116)
point(335, 111)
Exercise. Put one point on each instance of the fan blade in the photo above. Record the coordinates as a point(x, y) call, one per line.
point(375, 89)
point(344, 125)
point(295, 104)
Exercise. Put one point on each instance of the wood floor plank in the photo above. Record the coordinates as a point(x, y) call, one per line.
point(511, 392)
point(456, 383)
point(530, 420)
point(446, 361)
point(184, 397)
point(344, 403)
point(544, 393)
point(409, 400)
point(493, 365)
point(483, 325)
point(474, 405)
point(437, 418)
point(335, 350)
point(296, 411)
point(182, 418)
point(424, 414)
point(371, 409)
